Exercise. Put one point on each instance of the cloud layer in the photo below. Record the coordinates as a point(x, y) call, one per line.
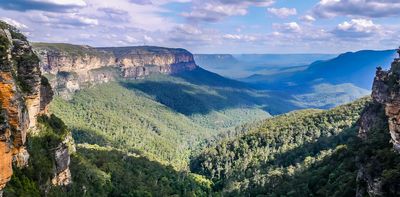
point(365, 8)
point(211, 26)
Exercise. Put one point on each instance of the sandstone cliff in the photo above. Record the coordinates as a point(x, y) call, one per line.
point(24, 95)
point(382, 115)
point(386, 91)
point(71, 67)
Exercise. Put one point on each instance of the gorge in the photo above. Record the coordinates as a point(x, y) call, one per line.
point(148, 121)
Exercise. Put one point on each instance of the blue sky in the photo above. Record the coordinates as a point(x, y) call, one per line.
point(212, 26)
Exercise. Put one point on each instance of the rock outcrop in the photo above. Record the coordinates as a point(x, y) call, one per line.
point(72, 67)
point(62, 156)
point(386, 91)
point(384, 110)
point(24, 95)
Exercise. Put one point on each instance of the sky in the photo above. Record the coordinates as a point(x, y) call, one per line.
point(212, 26)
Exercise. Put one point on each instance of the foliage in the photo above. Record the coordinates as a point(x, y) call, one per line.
point(73, 50)
point(4, 46)
point(256, 162)
point(100, 171)
point(32, 180)
point(163, 117)
point(15, 33)
point(97, 171)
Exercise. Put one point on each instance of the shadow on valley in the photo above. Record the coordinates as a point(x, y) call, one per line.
point(200, 76)
point(190, 99)
point(88, 136)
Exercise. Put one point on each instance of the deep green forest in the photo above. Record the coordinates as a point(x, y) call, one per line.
point(162, 117)
point(303, 153)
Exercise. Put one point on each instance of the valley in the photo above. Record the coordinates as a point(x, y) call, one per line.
point(77, 120)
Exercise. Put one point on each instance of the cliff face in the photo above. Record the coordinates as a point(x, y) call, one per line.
point(386, 91)
point(71, 67)
point(384, 110)
point(24, 95)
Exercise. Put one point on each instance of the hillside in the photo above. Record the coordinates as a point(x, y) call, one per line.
point(351, 150)
point(161, 111)
point(302, 153)
point(277, 146)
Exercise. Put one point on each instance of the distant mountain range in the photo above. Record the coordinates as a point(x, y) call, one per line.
point(312, 80)
point(244, 65)
point(357, 68)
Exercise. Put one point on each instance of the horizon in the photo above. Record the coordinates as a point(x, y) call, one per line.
point(212, 26)
point(222, 53)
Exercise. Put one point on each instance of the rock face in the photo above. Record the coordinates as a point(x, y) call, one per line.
point(71, 67)
point(24, 95)
point(386, 91)
point(384, 108)
point(19, 98)
point(62, 156)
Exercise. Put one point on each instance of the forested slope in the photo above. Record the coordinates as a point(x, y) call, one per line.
point(163, 117)
point(309, 151)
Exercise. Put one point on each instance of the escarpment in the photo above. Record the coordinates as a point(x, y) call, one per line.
point(380, 117)
point(24, 96)
point(386, 92)
point(72, 67)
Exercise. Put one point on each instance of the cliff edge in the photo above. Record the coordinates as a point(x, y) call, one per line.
point(24, 96)
point(73, 67)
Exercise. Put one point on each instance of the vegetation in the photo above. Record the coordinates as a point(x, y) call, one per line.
point(4, 46)
point(260, 160)
point(163, 117)
point(73, 50)
point(35, 178)
point(15, 33)
point(97, 171)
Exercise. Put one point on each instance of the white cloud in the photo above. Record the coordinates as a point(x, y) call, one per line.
point(239, 37)
point(215, 10)
point(308, 18)
point(212, 12)
point(63, 2)
point(357, 28)
point(65, 20)
point(282, 12)
point(365, 8)
point(292, 27)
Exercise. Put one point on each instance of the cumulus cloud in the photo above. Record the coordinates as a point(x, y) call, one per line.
point(191, 35)
point(357, 28)
point(215, 10)
point(365, 8)
point(211, 12)
point(65, 20)
point(44, 5)
point(240, 37)
point(307, 18)
point(292, 27)
point(282, 12)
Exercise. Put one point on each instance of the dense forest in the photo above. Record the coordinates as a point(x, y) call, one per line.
point(303, 153)
point(98, 171)
point(307, 152)
point(162, 117)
